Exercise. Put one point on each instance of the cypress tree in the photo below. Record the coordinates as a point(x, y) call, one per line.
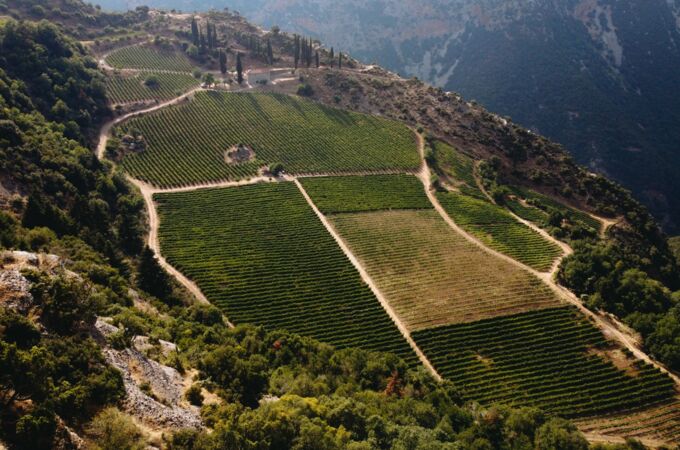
point(332, 57)
point(270, 52)
point(194, 31)
point(209, 33)
point(201, 38)
point(317, 59)
point(340, 60)
point(296, 50)
point(223, 62)
point(239, 68)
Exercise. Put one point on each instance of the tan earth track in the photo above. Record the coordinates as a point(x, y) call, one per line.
point(369, 281)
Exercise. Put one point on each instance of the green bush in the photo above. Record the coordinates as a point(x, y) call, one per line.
point(113, 430)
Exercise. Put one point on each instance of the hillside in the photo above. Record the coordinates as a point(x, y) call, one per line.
point(610, 95)
point(243, 241)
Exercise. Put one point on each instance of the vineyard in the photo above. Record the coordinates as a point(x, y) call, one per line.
point(457, 169)
point(549, 359)
point(660, 422)
point(535, 207)
point(433, 276)
point(366, 193)
point(122, 88)
point(146, 58)
point(187, 142)
point(499, 230)
point(260, 253)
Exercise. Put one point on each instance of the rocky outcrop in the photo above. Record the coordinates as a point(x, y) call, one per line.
point(154, 392)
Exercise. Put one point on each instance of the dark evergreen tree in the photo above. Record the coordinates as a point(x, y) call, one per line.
point(239, 68)
point(270, 52)
point(317, 59)
point(194, 32)
point(202, 41)
point(332, 57)
point(208, 30)
point(151, 277)
point(340, 60)
point(223, 62)
point(296, 50)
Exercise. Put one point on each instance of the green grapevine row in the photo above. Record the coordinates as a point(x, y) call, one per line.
point(187, 143)
point(146, 58)
point(544, 359)
point(260, 253)
point(128, 89)
point(366, 193)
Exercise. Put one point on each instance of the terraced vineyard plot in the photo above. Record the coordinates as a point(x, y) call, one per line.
point(187, 143)
point(432, 275)
point(659, 423)
point(146, 58)
point(127, 89)
point(366, 193)
point(543, 358)
point(260, 253)
point(494, 226)
point(543, 205)
point(459, 167)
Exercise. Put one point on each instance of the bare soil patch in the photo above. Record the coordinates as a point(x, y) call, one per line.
point(239, 154)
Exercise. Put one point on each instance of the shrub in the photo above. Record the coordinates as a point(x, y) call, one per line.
point(152, 81)
point(305, 90)
point(113, 430)
point(194, 396)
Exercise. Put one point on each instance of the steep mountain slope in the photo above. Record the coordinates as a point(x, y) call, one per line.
point(272, 389)
point(598, 76)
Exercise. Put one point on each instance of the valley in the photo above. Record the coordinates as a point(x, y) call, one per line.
point(323, 237)
point(254, 246)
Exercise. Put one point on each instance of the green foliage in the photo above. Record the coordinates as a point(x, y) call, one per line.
point(208, 79)
point(268, 260)
point(494, 226)
point(36, 430)
point(63, 374)
point(148, 58)
point(113, 430)
point(606, 279)
point(366, 193)
point(276, 169)
point(70, 192)
point(538, 359)
point(187, 142)
point(305, 90)
point(151, 276)
point(66, 304)
point(194, 395)
point(559, 434)
point(63, 83)
point(674, 243)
